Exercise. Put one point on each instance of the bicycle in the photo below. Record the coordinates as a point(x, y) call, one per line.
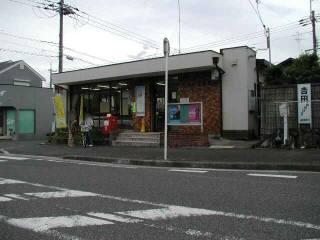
point(84, 135)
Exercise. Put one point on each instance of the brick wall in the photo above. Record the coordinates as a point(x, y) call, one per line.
point(198, 87)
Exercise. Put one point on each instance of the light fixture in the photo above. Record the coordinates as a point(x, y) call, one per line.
point(161, 84)
point(123, 84)
point(84, 88)
point(115, 87)
point(96, 89)
point(103, 86)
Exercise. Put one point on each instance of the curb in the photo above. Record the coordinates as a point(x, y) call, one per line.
point(217, 165)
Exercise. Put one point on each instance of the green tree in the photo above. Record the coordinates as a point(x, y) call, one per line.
point(305, 69)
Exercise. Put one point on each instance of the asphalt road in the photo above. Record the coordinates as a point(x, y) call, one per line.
point(51, 198)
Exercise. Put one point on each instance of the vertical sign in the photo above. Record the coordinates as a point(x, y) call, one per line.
point(140, 101)
point(304, 104)
point(60, 114)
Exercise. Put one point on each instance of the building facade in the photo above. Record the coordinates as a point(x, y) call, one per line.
point(209, 94)
point(26, 109)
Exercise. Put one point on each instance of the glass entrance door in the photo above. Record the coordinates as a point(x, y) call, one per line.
point(158, 106)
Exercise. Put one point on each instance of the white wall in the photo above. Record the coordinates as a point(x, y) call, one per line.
point(239, 78)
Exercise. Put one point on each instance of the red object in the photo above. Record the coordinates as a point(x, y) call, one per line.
point(110, 124)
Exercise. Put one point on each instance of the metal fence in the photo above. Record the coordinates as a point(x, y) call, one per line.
point(271, 123)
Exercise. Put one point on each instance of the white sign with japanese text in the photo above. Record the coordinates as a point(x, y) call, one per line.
point(304, 103)
point(140, 101)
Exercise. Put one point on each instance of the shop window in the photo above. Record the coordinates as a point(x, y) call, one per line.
point(126, 105)
point(26, 121)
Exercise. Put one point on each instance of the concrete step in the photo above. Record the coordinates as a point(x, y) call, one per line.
point(139, 138)
point(135, 143)
point(138, 134)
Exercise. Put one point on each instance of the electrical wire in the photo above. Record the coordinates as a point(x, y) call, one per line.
point(240, 38)
point(28, 53)
point(55, 44)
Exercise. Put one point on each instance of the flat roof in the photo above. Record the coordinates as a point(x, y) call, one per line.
point(139, 68)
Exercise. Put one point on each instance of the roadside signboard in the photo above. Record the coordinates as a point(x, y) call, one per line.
point(185, 114)
point(284, 110)
point(304, 103)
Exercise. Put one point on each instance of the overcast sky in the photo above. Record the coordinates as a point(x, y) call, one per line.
point(224, 24)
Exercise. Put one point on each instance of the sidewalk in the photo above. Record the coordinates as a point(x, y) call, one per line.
point(202, 157)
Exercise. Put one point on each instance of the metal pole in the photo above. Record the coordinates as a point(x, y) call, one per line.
point(314, 37)
point(179, 27)
point(166, 50)
point(61, 37)
point(50, 83)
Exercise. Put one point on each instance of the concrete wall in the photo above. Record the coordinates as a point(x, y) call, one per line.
point(240, 75)
point(22, 74)
point(30, 98)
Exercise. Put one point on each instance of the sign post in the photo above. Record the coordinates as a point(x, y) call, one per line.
point(166, 51)
point(284, 112)
point(304, 104)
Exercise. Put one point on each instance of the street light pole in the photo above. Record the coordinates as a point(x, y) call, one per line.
point(61, 36)
point(179, 26)
point(166, 51)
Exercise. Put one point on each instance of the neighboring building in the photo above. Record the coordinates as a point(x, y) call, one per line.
point(210, 93)
point(26, 109)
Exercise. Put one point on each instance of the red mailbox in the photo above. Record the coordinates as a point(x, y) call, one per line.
point(110, 124)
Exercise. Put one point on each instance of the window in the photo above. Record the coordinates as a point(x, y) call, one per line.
point(26, 121)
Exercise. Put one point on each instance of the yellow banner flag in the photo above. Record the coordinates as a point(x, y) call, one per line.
point(60, 114)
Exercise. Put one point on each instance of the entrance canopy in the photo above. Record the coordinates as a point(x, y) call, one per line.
point(143, 68)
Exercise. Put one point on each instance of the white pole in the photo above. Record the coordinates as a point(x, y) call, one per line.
point(179, 26)
point(166, 50)
point(285, 129)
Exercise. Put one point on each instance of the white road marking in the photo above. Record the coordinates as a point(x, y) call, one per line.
point(13, 158)
point(170, 211)
point(178, 211)
point(5, 199)
point(62, 194)
point(113, 217)
point(167, 213)
point(46, 223)
point(10, 181)
point(271, 175)
point(187, 170)
point(3, 160)
point(16, 196)
point(81, 162)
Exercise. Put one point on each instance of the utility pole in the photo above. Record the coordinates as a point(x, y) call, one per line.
point(166, 51)
point(269, 44)
point(314, 37)
point(179, 27)
point(61, 36)
point(50, 70)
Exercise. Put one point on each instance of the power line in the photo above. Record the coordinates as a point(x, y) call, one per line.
point(28, 53)
point(243, 37)
point(55, 44)
point(105, 25)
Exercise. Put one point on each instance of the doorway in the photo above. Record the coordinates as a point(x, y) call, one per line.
point(158, 106)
